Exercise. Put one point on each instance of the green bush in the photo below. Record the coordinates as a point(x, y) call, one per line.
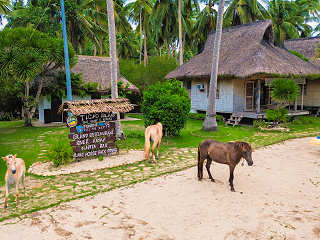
point(143, 76)
point(167, 103)
point(60, 152)
point(277, 115)
point(260, 123)
point(301, 120)
point(284, 90)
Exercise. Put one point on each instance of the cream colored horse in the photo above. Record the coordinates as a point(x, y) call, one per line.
point(15, 174)
point(153, 132)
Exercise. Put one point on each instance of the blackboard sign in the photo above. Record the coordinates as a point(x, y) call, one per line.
point(92, 137)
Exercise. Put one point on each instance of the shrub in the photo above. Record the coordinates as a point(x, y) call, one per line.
point(284, 90)
point(167, 103)
point(301, 120)
point(260, 123)
point(277, 115)
point(60, 152)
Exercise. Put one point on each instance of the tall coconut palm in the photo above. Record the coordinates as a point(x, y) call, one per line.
point(114, 61)
point(165, 23)
point(205, 23)
point(210, 122)
point(244, 11)
point(4, 8)
point(140, 12)
point(180, 33)
point(283, 20)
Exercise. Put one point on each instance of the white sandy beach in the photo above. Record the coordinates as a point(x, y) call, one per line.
point(280, 200)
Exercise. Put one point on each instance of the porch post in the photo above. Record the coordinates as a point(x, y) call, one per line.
point(302, 96)
point(258, 100)
point(296, 104)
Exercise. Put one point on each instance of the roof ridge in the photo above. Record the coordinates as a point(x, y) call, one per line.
point(299, 39)
point(94, 57)
point(227, 29)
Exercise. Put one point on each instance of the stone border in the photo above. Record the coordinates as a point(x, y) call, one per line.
point(48, 169)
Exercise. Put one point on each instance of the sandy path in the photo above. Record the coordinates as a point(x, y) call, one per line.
point(280, 200)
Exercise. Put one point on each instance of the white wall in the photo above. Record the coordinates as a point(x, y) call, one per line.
point(45, 103)
point(199, 100)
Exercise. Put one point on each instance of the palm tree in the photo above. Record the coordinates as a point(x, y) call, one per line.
point(165, 24)
point(206, 22)
point(244, 11)
point(114, 61)
point(284, 21)
point(4, 8)
point(140, 12)
point(180, 34)
point(210, 122)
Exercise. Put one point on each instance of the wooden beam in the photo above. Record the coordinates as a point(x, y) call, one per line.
point(302, 94)
point(258, 97)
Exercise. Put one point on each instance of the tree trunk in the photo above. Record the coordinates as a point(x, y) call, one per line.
point(114, 60)
point(26, 110)
point(180, 34)
point(145, 59)
point(140, 53)
point(210, 122)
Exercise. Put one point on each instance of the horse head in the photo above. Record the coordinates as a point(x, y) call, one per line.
point(11, 162)
point(245, 150)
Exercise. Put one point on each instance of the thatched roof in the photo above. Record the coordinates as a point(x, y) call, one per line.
point(98, 69)
point(97, 105)
point(305, 46)
point(246, 50)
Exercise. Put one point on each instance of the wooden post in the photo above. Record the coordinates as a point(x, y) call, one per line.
point(302, 96)
point(258, 97)
point(296, 104)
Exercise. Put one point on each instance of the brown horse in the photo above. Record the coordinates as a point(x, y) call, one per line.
point(153, 132)
point(226, 153)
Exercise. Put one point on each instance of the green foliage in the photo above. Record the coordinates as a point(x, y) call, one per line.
point(305, 120)
point(299, 55)
point(154, 72)
point(79, 87)
point(100, 157)
point(277, 115)
point(167, 103)
point(260, 123)
point(60, 152)
point(284, 90)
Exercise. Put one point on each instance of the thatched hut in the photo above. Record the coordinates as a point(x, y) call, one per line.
point(248, 62)
point(307, 47)
point(93, 69)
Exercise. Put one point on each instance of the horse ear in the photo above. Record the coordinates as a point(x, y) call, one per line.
point(15, 155)
point(4, 158)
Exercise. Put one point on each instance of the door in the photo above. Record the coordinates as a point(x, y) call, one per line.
point(249, 88)
point(55, 104)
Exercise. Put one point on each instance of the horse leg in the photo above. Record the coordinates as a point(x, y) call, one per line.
point(231, 168)
point(24, 186)
point(17, 194)
point(200, 165)
point(209, 160)
point(152, 150)
point(7, 196)
point(158, 146)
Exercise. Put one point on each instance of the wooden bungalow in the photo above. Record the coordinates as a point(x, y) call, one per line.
point(248, 62)
point(93, 69)
point(311, 92)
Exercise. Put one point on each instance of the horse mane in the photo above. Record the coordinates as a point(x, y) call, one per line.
point(242, 146)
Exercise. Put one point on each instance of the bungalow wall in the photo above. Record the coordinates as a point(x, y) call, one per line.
point(238, 95)
point(199, 95)
point(311, 96)
point(46, 106)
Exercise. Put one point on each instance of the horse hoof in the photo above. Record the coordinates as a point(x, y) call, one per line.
point(212, 180)
point(232, 190)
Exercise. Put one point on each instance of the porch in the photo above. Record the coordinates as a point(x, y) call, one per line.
point(262, 115)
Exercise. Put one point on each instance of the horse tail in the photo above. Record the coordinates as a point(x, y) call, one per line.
point(147, 144)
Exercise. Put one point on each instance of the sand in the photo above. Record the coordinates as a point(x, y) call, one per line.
point(279, 200)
